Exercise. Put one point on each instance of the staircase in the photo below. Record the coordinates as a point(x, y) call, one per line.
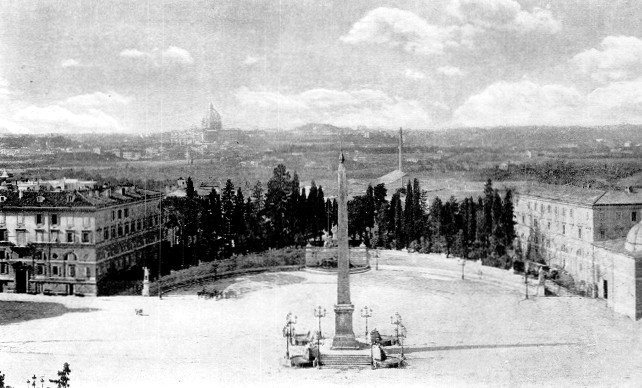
point(345, 360)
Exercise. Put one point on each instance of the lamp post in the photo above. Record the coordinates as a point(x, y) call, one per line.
point(33, 381)
point(42, 381)
point(287, 332)
point(319, 313)
point(366, 313)
point(396, 320)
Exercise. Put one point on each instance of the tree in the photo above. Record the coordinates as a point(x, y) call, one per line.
point(63, 377)
point(279, 188)
point(189, 190)
point(508, 220)
point(227, 207)
point(238, 222)
point(409, 214)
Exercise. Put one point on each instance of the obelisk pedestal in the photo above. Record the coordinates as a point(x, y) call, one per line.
point(146, 282)
point(344, 337)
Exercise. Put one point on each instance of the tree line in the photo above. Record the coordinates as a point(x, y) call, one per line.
point(281, 213)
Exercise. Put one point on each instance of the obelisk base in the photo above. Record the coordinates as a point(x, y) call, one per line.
point(343, 335)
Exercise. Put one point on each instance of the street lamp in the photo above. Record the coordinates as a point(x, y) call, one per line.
point(396, 320)
point(366, 313)
point(287, 332)
point(319, 313)
point(33, 380)
point(42, 381)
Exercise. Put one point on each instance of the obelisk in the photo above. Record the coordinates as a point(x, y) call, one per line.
point(343, 334)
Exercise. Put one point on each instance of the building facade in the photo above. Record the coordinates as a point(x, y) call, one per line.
point(68, 242)
point(584, 232)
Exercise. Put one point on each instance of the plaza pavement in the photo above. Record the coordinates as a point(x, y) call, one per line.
point(475, 332)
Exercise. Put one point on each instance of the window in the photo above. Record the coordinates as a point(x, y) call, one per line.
point(86, 237)
point(126, 213)
point(602, 234)
point(4, 268)
point(535, 222)
point(54, 219)
point(634, 216)
point(602, 216)
point(523, 219)
point(22, 237)
point(87, 272)
point(570, 213)
point(21, 219)
point(555, 210)
point(127, 228)
point(548, 226)
point(113, 215)
point(563, 229)
point(70, 237)
point(120, 214)
point(139, 225)
point(55, 236)
point(86, 222)
point(41, 269)
point(113, 232)
point(549, 208)
point(40, 236)
point(54, 270)
point(563, 212)
point(120, 230)
point(71, 256)
point(579, 232)
point(106, 234)
point(39, 219)
point(3, 255)
point(72, 271)
point(3, 235)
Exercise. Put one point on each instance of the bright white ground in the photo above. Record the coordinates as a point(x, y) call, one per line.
point(460, 333)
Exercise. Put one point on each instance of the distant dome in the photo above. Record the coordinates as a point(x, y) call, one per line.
point(213, 120)
point(634, 239)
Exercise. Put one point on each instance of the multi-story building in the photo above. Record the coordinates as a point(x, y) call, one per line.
point(590, 234)
point(69, 242)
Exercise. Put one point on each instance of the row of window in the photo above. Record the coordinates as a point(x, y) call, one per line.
point(42, 236)
point(128, 227)
point(552, 209)
point(56, 270)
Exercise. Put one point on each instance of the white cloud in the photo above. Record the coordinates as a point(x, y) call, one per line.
point(97, 99)
point(503, 15)
point(70, 63)
point(414, 74)
point(251, 60)
point(177, 54)
point(171, 55)
point(619, 58)
point(450, 71)
point(60, 118)
point(86, 112)
point(133, 53)
point(521, 103)
point(528, 103)
point(367, 107)
point(398, 28)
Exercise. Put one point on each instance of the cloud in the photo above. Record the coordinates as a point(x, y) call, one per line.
point(619, 58)
point(503, 15)
point(97, 99)
point(87, 112)
point(367, 107)
point(398, 28)
point(177, 54)
point(521, 103)
point(450, 71)
point(65, 120)
point(251, 60)
point(528, 103)
point(414, 74)
point(70, 63)
point(171, 55)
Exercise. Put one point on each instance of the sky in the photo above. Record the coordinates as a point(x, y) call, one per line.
point(149, 66)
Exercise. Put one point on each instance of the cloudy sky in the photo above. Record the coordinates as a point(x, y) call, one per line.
point(125, 66)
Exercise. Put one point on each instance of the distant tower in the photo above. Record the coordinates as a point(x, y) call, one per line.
point(400, 149)
point(211, 125)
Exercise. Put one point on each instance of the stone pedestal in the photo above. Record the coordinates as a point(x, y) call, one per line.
point(344, 337)
point(146, 282)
